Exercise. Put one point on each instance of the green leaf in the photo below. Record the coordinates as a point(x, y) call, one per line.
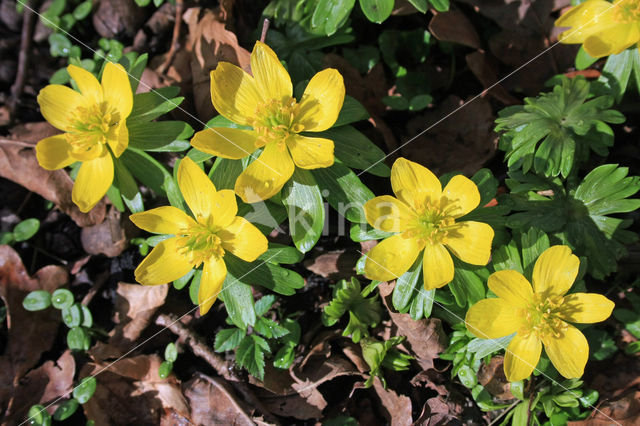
point(66, 409)
point(38, 415)
point(269, 328)
point(26, 229)
point(161, 136)
point(250, 355)
point(151, 105)
point(128, 188)
point(303, 201)
point(422, 304)
point(344, 191)
point(351, 112)
point(78, 340)
point(279, 253)
point(377, 10)
point(225, 172)
point(440, 5)
point(533, 242)
point(521, 414)
point(238, 301)
point(135, 65)
point(364, 232)
point(37, 300)
point(72, 315)
point(275, 278)
point(87, 318)
point(583, 59)
point(228, 339)
point(59, 45)
point(616, 72)
point(421, 5)
point(408, 285)
point(62, 298)
point(485, 347)
point(329, 15)
point(264, 304)
point(82, 10)
point(356, 151)
point(467, 287)
point(467, 376)
point(165, 369)
point(85, 390)
point(171, 352)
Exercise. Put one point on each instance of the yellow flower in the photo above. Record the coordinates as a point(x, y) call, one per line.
point(424, 217)
point(94, 122)
point(265, 102)
point(205, 240)
point(538, 316)
point(604, 28)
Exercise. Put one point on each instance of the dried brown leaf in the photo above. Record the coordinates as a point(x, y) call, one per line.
point(118, 18)
point(484, 72)
point(18, 163)
point(334, 265)
point(623, 411)
point(109, 237)
point(212, 403)
point(454, 26)
point(493, 379)
point(397, 407)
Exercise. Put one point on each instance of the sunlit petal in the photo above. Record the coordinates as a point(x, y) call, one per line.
point(568, 352)
point(93, 180)
point(234, 93)
point(118, 138)
point(310, 153)
point(266, 176)
point(272, 79)
point(460, 196)
point(522, 356)
point(388, 214)
point(243, 239)
point(414, 184)
point(164, 264)
point(492, 319)
point(54, 153)
point(471, 242)
point(391, 258)
point(322, 101)
point(58, 105)
point(226, 142)
point(163, 220)
point(555, 271)
point(87, 83)
point(214, 273)
point(116, 89)
point(586, 308)
point(512, 287)
point(197, 189)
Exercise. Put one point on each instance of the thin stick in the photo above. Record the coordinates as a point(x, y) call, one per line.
point(174, 38)
point(265, 28)
point(222, 367)
point(23, 58)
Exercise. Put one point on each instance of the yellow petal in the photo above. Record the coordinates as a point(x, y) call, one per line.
point(512, 287)
point(322, 101)
point(586, 308)
point(522, 356)
point(163, 220)
point(492, 319)
point(555, 271)
point(164, 264)
point(196, 188)
point(87, 83)
point(54, 153)
point(223, 208)
point(460, 196)
point(58, 104)
point(94, 179)
point(612, 40)
point(214, 273)
point(234, 93)
point(568, 352)
point(388, 214)
point(310, 153)
point(391, 258)
point(584, 20)
point(265, 177)
point(272, 79)
point(471, 242)
point(226, 142)
point(414, 184)
point(118, 138)
point(437, 266)
point(116, 89)
point(243, 239)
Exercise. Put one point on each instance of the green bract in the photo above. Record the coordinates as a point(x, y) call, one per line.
point(569, 121)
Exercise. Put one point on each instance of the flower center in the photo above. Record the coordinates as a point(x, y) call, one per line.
point(199, 242)
point(274, 121)
point(626, 11)
point(88, 133)
point(433, 224)
point(542, 316)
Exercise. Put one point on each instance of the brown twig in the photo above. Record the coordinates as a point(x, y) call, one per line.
point(23, 57)
point(222, 367)
point(265, 28)
point(174, 38)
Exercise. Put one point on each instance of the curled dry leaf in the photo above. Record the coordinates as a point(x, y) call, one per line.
point(212, 403)
point(425, 338)
point(485, 73)
point(334, 265)
point(30, 334)
point(131, 392)
point(109, 237)
point(454, 26)
point(18, 163)
point(210, 43)
point(135, 307)
point(493, 379)
point(397, 407)
point(117, 18)
point(462, 140)
point(624, 411)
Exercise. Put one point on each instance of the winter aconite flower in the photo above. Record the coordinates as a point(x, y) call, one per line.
point(265, 102)
point(539, 315)
point(94, 125)
point(604, 28)
point(204, 240)
point(425, 218)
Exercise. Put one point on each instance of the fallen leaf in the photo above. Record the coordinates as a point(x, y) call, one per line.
point(109, 237)
point(484, 72)
point(29, 334)
point(493, 379)
point(135, 307)
point(212, 403)
point(131, 392)
point(453, 26)
point(118, 18)
point(425, 338)
point(623, 411)
point(397, 407)
point(210, 43)
point(335, 265)
point(462, 140)
point(18, 163)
